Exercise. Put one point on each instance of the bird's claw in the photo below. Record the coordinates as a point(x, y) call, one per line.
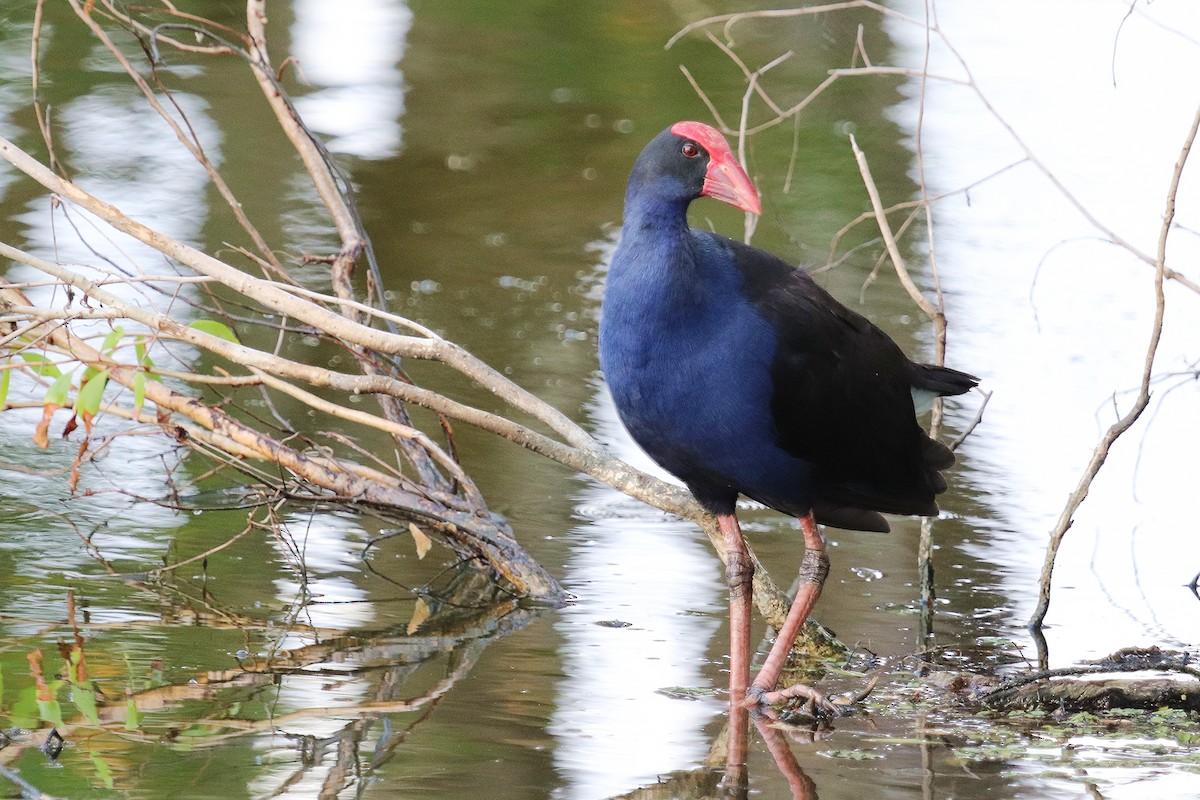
point(815, 704)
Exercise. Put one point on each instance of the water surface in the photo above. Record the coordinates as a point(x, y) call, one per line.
point(489, 145)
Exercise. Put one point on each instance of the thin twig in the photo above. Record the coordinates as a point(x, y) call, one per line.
point(1100, 454)
point(973, 424)
point(728, 20)
point(889, 239)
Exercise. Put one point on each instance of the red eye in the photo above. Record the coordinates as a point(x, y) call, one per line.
point(690, 150)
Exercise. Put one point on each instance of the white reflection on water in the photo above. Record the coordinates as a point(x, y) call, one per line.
point(650, 597)
point(329, 547)
point(1056, 321)
point(350, 49)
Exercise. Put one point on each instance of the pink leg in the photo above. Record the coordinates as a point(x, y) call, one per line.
point(736, 750)
point(739, 572)
point(803, 787)
point(813, 571)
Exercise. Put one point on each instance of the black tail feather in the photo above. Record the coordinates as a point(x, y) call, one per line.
point(942, 380)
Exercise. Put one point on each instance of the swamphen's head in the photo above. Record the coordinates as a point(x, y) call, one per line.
point(690, 160)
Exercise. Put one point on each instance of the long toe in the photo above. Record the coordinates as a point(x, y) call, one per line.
point(814, 704)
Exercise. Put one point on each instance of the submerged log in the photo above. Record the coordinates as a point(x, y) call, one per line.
point(1073, 696)
point(1173, 683)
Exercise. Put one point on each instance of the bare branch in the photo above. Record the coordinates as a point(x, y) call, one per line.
point(729, 20)
point(889, 239)
point(1100, 454)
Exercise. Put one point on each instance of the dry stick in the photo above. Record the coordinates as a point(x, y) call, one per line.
point(910, 204)
point(323, 179)
point(395, 429)
point(1143, 398)
point(748, 73)
point(938, 317)
point(973, 424)
point(39, 112)
point(751, 220)
point(925, 542)
point(787, 113)
point(353, 238)
point(889, 240)
point(158, 572)
point(194, 20)
point(884, 257)
point(940, 322)
point(908, 72)
point(860, 47)
point(728, 20)
point(712, 109)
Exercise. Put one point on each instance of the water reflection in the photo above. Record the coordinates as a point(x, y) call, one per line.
point(322, 551)
point(1056, 320)
point(649, 601)
point(360, 100)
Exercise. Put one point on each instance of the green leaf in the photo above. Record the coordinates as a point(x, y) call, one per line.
point(133, 717)
point(50, 711)
point(92, 394)
point(41, 366)
point(103, 770)
point(110, 341)
point(139, 392)
point(57, 393)
point(5, 376)
point(84, 698)
point(214, 328)
point(143, 358)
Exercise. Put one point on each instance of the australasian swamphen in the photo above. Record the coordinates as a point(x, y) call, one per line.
point(738, 374)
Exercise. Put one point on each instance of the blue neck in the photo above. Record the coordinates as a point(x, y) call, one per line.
point(656, 243)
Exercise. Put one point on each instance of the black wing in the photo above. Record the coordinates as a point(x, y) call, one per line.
point(843, 399)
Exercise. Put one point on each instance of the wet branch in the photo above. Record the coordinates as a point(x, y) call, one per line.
point(1044, 689)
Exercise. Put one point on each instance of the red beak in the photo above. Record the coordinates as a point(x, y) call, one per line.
point(725, 180)
point(728, 182)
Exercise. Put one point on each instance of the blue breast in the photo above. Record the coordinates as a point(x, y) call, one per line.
point(688, 360)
